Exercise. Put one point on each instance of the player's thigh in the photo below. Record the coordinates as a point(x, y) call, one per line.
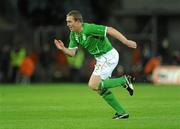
point(110, 65)
point(94, 82)
point(107, 71)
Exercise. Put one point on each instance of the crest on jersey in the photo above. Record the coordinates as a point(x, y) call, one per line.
point(84, 36)
point(76, 38)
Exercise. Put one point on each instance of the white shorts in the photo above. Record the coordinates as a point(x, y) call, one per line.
point(106, 63)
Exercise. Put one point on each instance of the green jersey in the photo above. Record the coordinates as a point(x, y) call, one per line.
point(93, 38)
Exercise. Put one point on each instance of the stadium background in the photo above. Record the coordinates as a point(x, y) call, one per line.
point(37, 82)
point(29, 27)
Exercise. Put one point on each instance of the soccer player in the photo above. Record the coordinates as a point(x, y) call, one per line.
point(93, 38)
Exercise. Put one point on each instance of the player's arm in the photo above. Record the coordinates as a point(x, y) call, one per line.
point(116, 34)
point(60, 45)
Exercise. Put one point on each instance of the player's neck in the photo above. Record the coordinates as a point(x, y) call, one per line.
point(80, 29)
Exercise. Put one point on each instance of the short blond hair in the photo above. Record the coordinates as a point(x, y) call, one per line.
point(76, 15)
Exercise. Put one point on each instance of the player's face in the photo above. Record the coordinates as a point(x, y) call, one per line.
point(72, 24)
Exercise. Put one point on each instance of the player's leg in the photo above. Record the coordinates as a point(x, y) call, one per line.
point(106, 69)
point(113, 82)
point(95, 83)
point(106, 94)
point(125, 81)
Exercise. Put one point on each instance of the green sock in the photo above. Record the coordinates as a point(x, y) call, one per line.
point(110, 83)
point(111, 100)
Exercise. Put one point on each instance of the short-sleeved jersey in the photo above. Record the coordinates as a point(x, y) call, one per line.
point(93, 38)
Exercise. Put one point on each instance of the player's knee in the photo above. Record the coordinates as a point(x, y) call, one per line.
point(93, 86)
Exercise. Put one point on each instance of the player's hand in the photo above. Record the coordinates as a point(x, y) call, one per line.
point(59, 44)
point(132, 44)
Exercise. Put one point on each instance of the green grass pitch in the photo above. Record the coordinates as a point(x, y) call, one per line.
point(75, 106)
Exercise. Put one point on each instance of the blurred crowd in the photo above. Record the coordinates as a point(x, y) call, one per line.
point(19, 65)
point(144, 61)
point(27, 60)
point(35, 59)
